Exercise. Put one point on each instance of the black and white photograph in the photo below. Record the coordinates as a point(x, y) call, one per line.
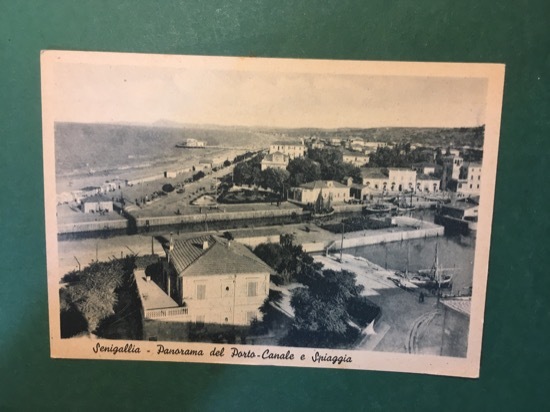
point(286, 212)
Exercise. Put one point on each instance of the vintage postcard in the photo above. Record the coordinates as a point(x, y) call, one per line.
point(286, 212)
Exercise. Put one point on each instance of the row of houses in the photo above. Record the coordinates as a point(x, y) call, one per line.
point(424, 179)
point(281, 153)
point(455, 174)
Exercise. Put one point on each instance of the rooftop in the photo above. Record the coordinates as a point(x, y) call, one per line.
point(422, 176)
point(96, 198)
point(322, 184)
point(213, 255)
point(425, 164)
point(151, 295)
point(269, 157)
point(353, 153)
point(461, 205)
point(286, 143)
point(373, 173)
point(461, 305)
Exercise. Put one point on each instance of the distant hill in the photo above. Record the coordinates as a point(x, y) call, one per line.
point(439, 137)
point(97, 146)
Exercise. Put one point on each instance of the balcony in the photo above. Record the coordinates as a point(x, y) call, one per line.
point(165, 313)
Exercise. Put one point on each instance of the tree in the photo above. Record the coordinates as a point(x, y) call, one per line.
point(321, 317)
point(167, 187)
point(247, 173)
point(199, 175)
point(303, 170)
point(289, 260)
point(274, 179)
point(332, 165)
point(93, 295)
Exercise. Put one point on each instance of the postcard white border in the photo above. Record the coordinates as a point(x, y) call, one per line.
point(369, 360)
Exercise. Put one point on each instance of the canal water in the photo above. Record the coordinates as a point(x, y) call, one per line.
point(455, 254)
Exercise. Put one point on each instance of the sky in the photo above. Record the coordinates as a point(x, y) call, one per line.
point(147, 95)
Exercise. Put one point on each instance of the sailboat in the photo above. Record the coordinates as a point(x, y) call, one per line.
point(378, 208)
point(432, 278)
point(322, 208)
point(403, 206)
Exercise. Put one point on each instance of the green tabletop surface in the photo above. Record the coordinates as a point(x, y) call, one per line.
point(515, 363)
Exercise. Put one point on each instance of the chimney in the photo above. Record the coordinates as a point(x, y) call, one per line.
point(205, 245)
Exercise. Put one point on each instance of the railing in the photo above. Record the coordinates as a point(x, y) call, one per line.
point(164, 313)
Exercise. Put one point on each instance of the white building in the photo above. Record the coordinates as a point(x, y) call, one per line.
point(370, 147)
point(391, 180)
point(427, 183)
point(276, 160)
point(207, 280)
point(97, 204)
point(469, 183)
point(291, 149)
point(355, 158)
point(426, 168)
point(193, 143)
point(329, 189)
point(375, 178)
point(355, 142)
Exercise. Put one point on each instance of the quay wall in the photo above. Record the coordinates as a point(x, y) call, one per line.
point(387, 237)
point(134, 224)
point(407, 228)
point(96, 226)
point(142, 222)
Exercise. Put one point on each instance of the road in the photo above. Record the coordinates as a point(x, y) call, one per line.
point(406, 325)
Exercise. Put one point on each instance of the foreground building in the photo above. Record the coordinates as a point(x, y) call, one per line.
point(206, 280)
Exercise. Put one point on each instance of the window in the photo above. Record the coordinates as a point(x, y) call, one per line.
point(199, 320)
point(252, 289)
point(201, 292)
